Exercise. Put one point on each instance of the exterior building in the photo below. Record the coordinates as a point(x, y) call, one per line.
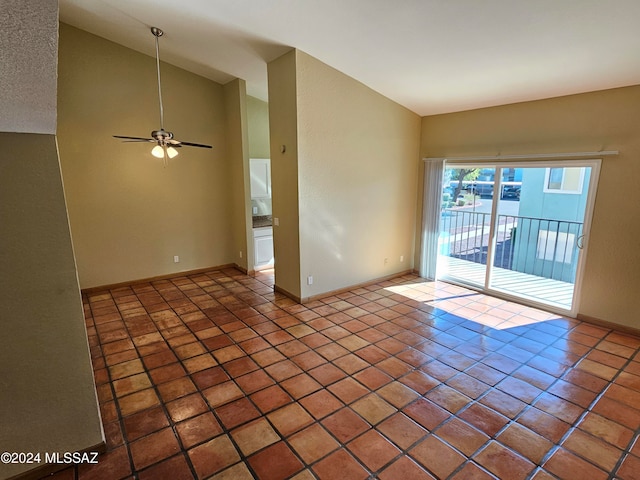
point(551, 214)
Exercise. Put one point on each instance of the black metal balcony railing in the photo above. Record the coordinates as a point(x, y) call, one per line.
point(537, 246)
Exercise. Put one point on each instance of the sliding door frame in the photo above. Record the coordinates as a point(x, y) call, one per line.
point(548, 162)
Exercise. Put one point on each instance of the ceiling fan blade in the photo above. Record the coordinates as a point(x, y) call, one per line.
point(135, 139)
point(190, 144)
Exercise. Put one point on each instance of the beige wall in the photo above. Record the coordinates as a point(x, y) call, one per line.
point(129, 215)
point(258, 124)
point(47, 390)
point(356, 178)
point(237, 128)
point(284, 171)
point(47, 396)
point(607, 120)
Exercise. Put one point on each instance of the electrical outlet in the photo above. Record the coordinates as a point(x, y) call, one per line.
point(402, 258)
point(176, 259)
point(276, 222)
point(309, 280)
point(240, 253)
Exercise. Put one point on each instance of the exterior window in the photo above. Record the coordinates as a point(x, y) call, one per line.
point(555, 246)
point(564, 180)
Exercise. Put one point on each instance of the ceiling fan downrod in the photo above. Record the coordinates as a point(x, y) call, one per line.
point(158, 33)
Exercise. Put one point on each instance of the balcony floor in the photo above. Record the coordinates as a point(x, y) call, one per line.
point(530, 287)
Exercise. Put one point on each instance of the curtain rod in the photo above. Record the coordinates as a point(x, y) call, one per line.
point(533, 156)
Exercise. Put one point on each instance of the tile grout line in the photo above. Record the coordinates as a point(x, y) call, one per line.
point(155, 387)
point(283, 439)
point(389, 334)
point(588, 409)
point(172, 424)
point(225, 429)
point(116, 403)
point(514, 420)
point(180, 360)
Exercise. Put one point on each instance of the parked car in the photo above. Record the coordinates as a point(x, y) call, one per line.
point(511, 191)
point(484, 189)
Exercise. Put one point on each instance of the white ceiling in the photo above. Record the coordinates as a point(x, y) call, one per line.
point(432, 56)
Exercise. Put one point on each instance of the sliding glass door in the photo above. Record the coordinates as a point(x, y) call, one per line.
point(465, 228)
point(517, 230)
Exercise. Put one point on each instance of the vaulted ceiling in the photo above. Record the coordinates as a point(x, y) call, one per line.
point(432, 56)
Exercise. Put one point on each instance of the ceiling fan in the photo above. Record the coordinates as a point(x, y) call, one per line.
point(165, 143)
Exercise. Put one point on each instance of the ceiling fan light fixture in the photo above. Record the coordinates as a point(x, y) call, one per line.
point(172, 152)
point(158, 151)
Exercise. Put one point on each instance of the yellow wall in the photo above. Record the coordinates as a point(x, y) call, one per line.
point(129, 215)
point(258, 124)
point(605, 120)
point(237, 132)
point(356, 178)
point(284, 171)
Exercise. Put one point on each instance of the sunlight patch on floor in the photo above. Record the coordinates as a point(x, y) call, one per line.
point(439, 297)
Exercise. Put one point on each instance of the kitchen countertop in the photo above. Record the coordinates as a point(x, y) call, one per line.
point(262, 221)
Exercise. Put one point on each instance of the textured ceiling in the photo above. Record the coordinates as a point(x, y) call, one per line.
point(432, 56)
point(28, 66)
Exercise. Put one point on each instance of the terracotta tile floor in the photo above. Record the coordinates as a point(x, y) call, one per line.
point(215, 376)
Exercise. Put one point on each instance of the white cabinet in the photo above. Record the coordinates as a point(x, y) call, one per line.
point(263, 247)
point(260, 169)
